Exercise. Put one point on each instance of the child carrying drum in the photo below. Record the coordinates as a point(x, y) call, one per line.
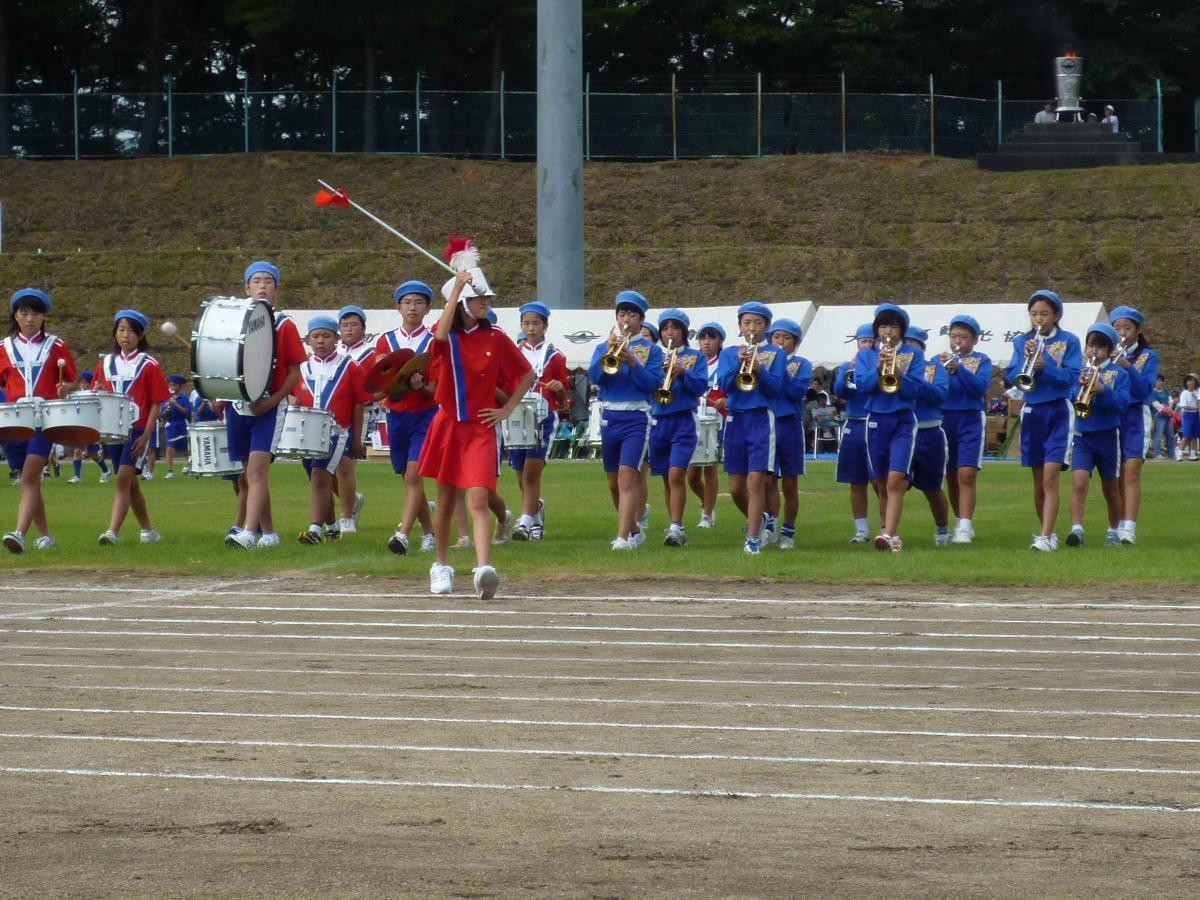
point(703, 475)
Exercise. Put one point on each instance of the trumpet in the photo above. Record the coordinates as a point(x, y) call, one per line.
point(1083, 402)
point(747, 378)
point(1122, 352)
point(664, 395)
point(848, 380)
point(610, 362)
point(952, 357)
point(889, 381)
point(1025, 379)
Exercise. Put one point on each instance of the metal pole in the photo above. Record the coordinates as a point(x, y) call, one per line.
point(999, 112)
point(587, 116)
point(560, 153)
point(932, 118)
point(759, 92)
point(843, 114)
point(246, 113)
point(674, 123)
point(502, 153)
point(75, 109)
point(1158, 96)
point(333, 110)
point(417, 110)
point(170, 115)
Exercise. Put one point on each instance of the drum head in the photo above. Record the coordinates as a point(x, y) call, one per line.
point(257, 356)
point(16, 433)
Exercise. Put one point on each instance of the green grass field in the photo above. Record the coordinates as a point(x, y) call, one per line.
point(194, 514)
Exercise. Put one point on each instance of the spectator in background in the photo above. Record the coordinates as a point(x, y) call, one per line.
point(1110, 119)
point(1046, 116)
point(1091, 119)
point(1189, 403)
point(998, 406)
point(1164, 414)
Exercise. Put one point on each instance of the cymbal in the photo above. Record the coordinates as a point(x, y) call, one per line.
point(381, 375)
point(419, 364)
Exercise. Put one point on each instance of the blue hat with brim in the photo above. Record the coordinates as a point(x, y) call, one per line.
point(1107, 330)
point(1050, 297)
point(967, 322)
point(262, 266)
point(674, 315)
point(329, 323)
point(920, 335)
point(788, 326)
point(132, 315)
point(865, 332)
point(537, 307)
point(30, 294)
point(884, 308)
point(711, 326)
point(1127, 312)
point(754, 308)
point(632, 299)
point(352, 311)
point(413, 287)
point(86, 376)
point(175, 379)
point(653, 331)
point(492, 318)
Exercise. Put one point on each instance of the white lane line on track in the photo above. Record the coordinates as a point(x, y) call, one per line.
point(458, 697)
point(667, 598)
point(603, 754)
point(605, 789)
point(646, 661)
point(572, 723)
point(622, 629)
point(716, 645)
point(159, 595)
point(594, 677)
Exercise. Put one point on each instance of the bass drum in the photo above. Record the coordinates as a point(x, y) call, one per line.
point(233, 349)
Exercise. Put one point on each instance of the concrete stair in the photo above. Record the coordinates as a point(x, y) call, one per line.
point(1071, 145)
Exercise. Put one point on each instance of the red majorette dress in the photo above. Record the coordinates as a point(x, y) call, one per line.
point(459, 448)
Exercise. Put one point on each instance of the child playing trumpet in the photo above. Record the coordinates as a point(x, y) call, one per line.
point(852, 467)
point(1141, 365)
point(963, 422)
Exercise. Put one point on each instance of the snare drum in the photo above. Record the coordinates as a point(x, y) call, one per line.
point(521, 431)
point(595, 414)
point(208, 443)
point(307, 433)
point(233, 349)
point(20, 420)
point(89, 417)
point(708, 431)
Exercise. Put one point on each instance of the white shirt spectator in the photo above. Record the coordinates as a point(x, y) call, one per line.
point(1110, 118)
point(1188, 400)
point(1045, 117)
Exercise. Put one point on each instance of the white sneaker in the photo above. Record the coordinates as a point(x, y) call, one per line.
point(14, 542)
point(643, 521)
point(464, 543)
point(1053, 540)
point(487, 580)
point(637, 538)
point(539, 517)
point(706, 521)
point(428, 543)
point(504, 530)
point(1075, 536)
point(359, 500)
point(1127, 536)
point(242, 539)
point(536, 531)
point(860, 537)
point(150, 536)
point(104, 477)
point(675, 536)
point(786, 543)
point(1112, 538)
point(268, 540)
point(347, 526)
point(441, 579)
point(941, 539)
point(622, 544)
point(398, 543)
point(963, 534)
point(147, 476)
point(45, 542)
point(108, 538)
point(74, 479)
point(170, 474)
point(1041, 544)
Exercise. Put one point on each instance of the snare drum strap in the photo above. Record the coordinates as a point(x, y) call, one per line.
point(121, 384)
point(323, 388)
point(31, 368)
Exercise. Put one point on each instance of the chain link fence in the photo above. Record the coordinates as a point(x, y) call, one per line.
point(661, 121)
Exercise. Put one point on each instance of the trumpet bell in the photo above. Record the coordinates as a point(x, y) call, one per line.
point(1083, 409)
point(610, 364)
point(664, 396)
point(1023, 383)
point(745, 381)
point(889, 384)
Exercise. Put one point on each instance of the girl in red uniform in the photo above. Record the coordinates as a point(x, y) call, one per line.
point(34, 365)
point(473, 359)
point(129, 369)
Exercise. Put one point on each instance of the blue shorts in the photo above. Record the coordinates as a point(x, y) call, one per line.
point(1046, 430)
point(253, 434)
point(964, 438)
point(16, 451)
point(853, 467)
point(177, 434)
point(1136, 429)
point(1099, 450)
point(406, 436)
point(624, 438)
point(337, 449)
point(122, 454)
point(789, 446)
point(891, 438)
point(516, 458)
point(929, 460)
point(672, 441)
point(750, 441)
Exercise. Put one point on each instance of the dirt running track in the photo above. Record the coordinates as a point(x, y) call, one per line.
point(350, 738)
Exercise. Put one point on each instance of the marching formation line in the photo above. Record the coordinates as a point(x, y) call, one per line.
point(574, 723)
point(607, 789)
point(603, 754)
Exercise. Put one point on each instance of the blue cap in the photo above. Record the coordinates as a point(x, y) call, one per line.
point(329, 323)
point(790, 326)
point(492, 318)
point(133, 316)
point(262, 266)
point(536, 307)
point(175, 379)
point(711, 326)
point(674, 315)
point(30, 294)
point(413, 287)
point(890, 308)
point(915, 333)
point(865, 332)
point(634, 299)
point(649, 326)
point(1050, 297)
point(1127, 312)
point(967, 322)
point(352, 310)
point(754, 308)
point(1107, 330)
point(86, 376)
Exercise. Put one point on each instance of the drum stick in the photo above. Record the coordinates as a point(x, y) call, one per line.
point(171, 329)
point(62, 364)
point(374, 218)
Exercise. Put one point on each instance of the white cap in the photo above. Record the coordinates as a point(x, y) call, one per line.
point(477, 288)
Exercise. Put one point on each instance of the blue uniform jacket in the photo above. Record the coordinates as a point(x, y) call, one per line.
point(796, 380)
point(968, 386)
point(630, 383)
point(856, 400)
point(1108, 405)
point(173, 416)
point(770, 378)
point(933, 392)
point(1064, 361)
point(691, 382)
point(910, 364)
point(1143, 373)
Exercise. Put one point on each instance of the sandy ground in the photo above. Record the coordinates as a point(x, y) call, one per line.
point(348, 738)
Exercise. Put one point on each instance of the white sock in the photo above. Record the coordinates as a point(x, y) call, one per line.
point(1130, 525)
point(965, 523)
point(860, 525)
point(527, 521)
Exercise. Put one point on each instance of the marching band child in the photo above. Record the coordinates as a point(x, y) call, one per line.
point(553, 390)
point(673, 432)
point(352, 328)
point(177, 411)
point(33, 364)
point(704, 479)
point(789, 432)
point(929, 448)
point(752, 377)
point(1141, 365)
point(1097, 442)
point(409, 418)
point(254, 434)
point(1046, 417)
point(852, 464)
point(891, 422)
point(625, 427)
point(131, 370)
point(92, 451)
point(963, 421)
point(333, 381)
point(460, 451)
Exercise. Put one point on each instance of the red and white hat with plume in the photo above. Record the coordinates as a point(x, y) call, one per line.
point(462, 255)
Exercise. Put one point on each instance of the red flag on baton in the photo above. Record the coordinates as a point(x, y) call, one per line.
point(335, 198)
